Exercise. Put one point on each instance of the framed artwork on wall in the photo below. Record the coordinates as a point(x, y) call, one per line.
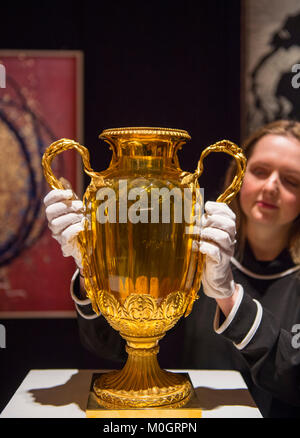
point(41, 98)
point(270, 62)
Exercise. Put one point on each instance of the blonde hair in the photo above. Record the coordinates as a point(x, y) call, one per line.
point(285, 128)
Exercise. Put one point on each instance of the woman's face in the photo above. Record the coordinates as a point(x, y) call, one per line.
point(270, 193)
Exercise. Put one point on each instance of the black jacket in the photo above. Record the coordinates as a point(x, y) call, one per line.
point(269, 363)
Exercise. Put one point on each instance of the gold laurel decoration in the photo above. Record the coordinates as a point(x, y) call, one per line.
point(172, 306)
point(139, 307)
point(140, 313)
point(138, 399)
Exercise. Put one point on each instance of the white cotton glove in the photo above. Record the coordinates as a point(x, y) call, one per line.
point(217, 241)
point(65, 219)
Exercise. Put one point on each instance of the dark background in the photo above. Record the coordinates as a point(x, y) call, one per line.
point(146, 64)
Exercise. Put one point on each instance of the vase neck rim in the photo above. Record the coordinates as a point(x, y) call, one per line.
point(145, 132)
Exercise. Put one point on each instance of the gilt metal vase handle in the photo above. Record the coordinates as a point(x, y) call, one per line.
point(232, 149)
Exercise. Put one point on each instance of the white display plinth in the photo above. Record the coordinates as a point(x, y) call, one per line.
point(63, 393)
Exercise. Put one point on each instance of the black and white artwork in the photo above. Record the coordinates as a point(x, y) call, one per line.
point(271, 62)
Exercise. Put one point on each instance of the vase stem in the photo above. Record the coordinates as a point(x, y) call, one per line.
point(142, 383)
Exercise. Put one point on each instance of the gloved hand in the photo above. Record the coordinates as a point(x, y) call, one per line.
point(65, 220)
point(217, 241)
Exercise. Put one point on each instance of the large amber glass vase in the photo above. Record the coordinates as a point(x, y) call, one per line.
point(140, 267)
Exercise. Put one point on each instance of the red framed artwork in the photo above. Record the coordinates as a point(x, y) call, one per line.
point(40, 102)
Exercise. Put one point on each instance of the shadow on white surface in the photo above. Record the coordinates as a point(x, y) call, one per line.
point(75, 390)
point(210, 398)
